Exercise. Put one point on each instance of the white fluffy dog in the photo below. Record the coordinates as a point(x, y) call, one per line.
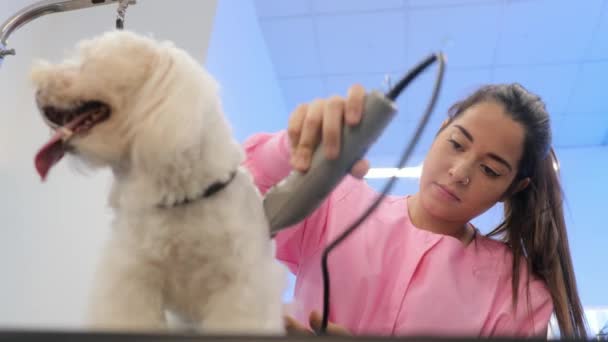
point(190, 235)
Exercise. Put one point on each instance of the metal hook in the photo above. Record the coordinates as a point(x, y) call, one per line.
point(6, 52)
point(121, 12)
point(388, 82)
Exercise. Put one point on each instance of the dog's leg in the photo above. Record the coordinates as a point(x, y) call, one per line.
point(127, 294)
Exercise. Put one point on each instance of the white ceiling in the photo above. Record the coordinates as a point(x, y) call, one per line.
point(556, 48)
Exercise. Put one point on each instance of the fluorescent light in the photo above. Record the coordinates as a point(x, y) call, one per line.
point(406, 172)
point(387, 172)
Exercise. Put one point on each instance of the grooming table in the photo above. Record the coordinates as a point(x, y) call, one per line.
point(39, 336)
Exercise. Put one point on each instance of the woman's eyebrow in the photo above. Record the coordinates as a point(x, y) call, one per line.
point(491, 155)
point(465, 132)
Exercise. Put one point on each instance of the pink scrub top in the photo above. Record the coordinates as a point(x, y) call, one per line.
point(390, 277)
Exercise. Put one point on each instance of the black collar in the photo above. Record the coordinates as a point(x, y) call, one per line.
point(209, 191)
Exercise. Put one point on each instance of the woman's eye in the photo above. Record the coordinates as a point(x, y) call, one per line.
point(488, 171)
point(455, 144)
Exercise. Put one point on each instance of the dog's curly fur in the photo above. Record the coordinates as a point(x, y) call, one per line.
point(209, 261)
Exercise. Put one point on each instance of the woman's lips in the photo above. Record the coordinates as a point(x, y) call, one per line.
point(445, 192)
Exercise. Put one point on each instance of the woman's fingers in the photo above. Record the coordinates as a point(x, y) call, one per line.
point(359, 170)
point(293, 327)
point(332, 126)
point(309, 136)
point(294, 126)
point(332, 329)
point(354, 104)
point(323, 120)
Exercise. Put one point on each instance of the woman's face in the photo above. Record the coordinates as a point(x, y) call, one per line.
point(471, 163)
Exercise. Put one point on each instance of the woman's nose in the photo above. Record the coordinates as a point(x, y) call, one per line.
point(460, 173)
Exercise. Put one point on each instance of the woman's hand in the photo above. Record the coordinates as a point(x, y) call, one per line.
point(294, 327)
point(322, 120)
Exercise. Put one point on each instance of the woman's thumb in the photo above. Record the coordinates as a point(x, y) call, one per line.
point(315, 320)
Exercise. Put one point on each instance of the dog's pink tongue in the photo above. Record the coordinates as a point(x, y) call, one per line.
point(52, 152)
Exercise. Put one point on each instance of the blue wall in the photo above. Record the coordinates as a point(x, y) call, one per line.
point(238, 58)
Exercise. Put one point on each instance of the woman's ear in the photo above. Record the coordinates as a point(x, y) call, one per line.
point(521, 185)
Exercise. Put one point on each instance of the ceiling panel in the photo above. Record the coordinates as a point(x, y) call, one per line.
point(467, 34)
point(572, 130)
point(331, 6)
point(292, 46)
point(339, 84)
point(280, 8)
point(302, 90)
point(447, 3)
point(368, 42)
point(590, 91)
point(599, 44)
point(546, 31)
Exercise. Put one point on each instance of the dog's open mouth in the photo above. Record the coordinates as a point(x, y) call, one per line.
point(67, 123)
point(81, 118)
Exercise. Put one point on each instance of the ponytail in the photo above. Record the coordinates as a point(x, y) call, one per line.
point(534, 227)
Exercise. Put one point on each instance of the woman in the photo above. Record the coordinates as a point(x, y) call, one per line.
point(417, 266)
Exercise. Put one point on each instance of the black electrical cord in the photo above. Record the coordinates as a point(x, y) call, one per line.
point(392, 95)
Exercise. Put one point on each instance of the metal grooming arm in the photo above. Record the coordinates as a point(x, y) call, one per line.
point(44, 7)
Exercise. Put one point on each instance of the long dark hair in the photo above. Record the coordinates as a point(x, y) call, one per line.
point(534, 225)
